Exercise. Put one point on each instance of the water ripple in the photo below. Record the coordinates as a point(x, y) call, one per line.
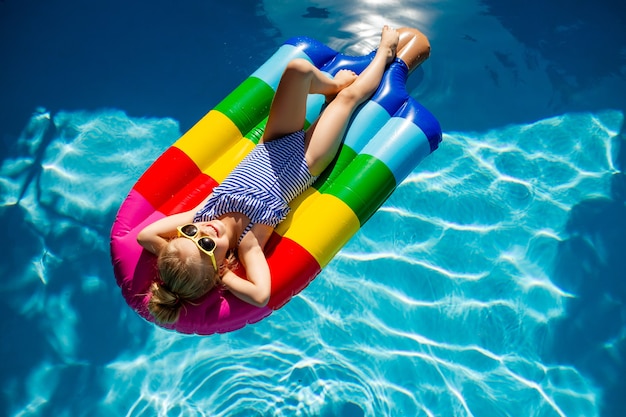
point(440, 305)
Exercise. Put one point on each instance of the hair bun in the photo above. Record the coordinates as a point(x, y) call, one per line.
point(164, 304)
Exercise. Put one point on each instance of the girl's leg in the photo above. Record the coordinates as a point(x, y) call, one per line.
point(301, 78)
point(325, 135)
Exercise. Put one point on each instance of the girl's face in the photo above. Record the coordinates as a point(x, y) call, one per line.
point(214, 230)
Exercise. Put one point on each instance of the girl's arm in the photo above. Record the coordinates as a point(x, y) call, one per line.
point(256, 289)
point(156, 235)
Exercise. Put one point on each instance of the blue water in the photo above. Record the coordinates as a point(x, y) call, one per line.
point(492, 282)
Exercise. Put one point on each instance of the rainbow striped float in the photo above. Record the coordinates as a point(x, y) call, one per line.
point(388, 137)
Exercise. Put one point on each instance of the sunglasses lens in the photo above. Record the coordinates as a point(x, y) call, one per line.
point(206, 243)
point(189, 230)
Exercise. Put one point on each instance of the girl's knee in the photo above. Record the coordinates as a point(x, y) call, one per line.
point(299, 65)
point(350, 96)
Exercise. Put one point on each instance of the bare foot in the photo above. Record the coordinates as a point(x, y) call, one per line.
point(344, 78)
point(389, 42)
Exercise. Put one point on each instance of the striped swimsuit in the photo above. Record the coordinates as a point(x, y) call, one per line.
point(263, 184)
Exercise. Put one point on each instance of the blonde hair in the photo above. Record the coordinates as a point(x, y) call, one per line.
point(183, 279)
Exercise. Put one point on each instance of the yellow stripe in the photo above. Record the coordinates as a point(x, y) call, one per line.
point(220, 169)
point(209, 139)
point(320, 223)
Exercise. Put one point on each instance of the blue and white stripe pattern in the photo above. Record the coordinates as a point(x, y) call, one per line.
point(263, 184)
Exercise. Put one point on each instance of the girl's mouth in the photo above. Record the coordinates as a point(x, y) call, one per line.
point(214, 229)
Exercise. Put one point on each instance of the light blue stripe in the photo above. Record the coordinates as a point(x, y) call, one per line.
point(400, 145)
point(369, 120)
point(314, 105)
point(273, 68)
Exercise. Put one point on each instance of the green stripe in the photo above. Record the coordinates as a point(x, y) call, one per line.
point(248, 107)
point(339, 164)
point(364, 185)
point(256, 133)
point(248, 104)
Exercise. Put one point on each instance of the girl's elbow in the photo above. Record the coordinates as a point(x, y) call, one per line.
point(143, 239)
point(262, 299)
point(149, 242)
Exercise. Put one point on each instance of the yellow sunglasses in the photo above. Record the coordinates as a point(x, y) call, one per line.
point(204, 243)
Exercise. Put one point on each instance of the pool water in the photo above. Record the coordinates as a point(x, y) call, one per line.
point(491, 283)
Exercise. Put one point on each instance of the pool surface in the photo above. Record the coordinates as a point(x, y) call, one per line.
point(491, 283)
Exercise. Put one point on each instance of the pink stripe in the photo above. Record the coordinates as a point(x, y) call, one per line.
point(135, 270)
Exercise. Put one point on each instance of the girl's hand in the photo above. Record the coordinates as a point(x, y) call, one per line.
point(256, 289)
point(156, 235)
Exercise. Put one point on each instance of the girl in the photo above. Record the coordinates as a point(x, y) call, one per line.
point(240, 214)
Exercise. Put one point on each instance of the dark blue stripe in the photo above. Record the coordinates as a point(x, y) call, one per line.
point(392, 92)
point(319, 53)
point(354, 63)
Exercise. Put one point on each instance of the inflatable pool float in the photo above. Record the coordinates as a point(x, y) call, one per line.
point(387, 138)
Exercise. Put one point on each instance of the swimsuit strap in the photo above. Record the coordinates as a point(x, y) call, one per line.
point(246, 230)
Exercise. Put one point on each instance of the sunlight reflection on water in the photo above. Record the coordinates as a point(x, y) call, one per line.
point(443, 304)
point(446, 291)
